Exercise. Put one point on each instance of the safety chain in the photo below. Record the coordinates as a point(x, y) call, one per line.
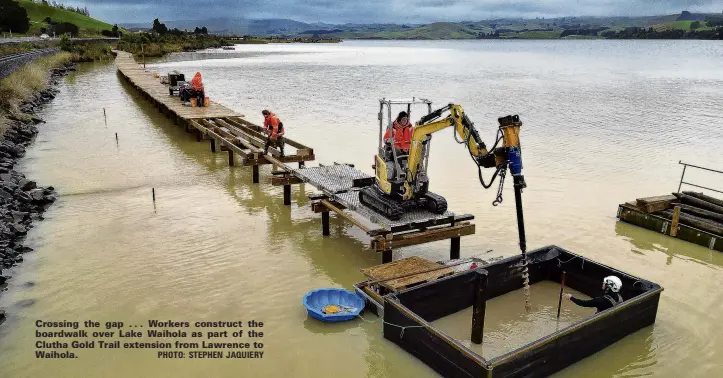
point(498, 200)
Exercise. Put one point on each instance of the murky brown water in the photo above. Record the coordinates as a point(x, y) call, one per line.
point(509, 326)
point(605, 122)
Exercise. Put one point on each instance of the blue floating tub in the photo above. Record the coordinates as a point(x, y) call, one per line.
point(350, 304)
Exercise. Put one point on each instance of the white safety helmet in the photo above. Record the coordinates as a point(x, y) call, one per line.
point(613, 283)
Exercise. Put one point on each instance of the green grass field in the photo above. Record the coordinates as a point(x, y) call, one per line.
point(437, 30)
point(38, 12)
point(685, 25)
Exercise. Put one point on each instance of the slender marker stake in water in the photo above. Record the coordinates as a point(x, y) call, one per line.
point(153, 191)
point(562, 287)
point(105, 119)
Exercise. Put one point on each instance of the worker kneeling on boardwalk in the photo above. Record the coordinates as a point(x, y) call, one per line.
point(274, 131)
point(611, 296)
point(195, 90)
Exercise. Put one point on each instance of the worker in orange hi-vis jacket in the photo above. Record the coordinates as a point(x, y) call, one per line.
point(196, 90)
point(274, 131)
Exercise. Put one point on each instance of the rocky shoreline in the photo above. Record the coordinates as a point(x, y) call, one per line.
point(22, 201)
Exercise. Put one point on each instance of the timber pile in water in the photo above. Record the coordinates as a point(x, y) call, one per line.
point(22, 201)
point(697, 210)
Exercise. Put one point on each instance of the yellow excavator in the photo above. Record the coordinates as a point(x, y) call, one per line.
point(402, 185)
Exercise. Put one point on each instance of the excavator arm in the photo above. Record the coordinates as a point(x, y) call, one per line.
point(506, 156)
point(415, 184)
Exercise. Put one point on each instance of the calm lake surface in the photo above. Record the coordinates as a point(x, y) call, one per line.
point(605, 122)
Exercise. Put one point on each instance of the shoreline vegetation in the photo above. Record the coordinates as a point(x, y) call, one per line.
point(20, 86)
point(23, 201)
point(160, 40)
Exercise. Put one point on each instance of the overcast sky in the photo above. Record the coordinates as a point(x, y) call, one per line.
point(382, 11)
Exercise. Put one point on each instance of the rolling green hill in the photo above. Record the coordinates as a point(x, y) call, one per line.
point(437, 30)
point(38, 12)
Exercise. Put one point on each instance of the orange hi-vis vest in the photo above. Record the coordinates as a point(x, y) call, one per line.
point(196, 82)
point(274, 126)
point(402, 135)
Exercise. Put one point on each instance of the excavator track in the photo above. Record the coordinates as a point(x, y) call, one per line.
point(435, 203)
point(371, 198)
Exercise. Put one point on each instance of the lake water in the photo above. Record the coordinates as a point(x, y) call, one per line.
point(605, 122)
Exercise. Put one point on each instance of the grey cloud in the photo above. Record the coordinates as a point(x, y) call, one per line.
point(383, 11)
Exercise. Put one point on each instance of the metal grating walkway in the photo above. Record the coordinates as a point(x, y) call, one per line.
point(351, 201)
point(333, 178)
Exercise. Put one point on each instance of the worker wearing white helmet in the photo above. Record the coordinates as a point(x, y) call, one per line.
point(611, 287)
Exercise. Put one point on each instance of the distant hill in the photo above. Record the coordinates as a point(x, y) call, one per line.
point(38, 13)
point(239, 26)
point(538, 28)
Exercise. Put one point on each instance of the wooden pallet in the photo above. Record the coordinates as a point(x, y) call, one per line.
point(405, 267)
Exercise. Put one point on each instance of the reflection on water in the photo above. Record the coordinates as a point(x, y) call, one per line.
point(601, 126)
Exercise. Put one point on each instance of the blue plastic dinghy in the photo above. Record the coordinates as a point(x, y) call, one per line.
point(333, 305)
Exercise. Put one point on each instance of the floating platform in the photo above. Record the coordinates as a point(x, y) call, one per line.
point(227, 130)
point(684, 216)
point(408, 315)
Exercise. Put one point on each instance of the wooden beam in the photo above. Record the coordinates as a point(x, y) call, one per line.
point(318, 207)
point(244, 143)
point(251, 128)
point(422, 237)
point(286, 180)
point(653, 204)
point(348, 217)
point(281, 162)
point(256, 139)
point(224, 143)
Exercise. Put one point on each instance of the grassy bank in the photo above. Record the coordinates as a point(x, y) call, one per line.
point(23, 83)
point(37, 13)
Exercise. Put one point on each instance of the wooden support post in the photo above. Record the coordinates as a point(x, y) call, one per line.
point(302, 164)
point(199, 135)
point(455, 248)
point(287, 193)
point(674, 222)
point(324, 223)
point(255, 175)
point(386, 256)
point(230, 158)
point(213, 145)
point(175, 120)
point(479, 308)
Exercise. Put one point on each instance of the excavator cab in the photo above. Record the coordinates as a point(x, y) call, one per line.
point(396, 188)
point(395, 165)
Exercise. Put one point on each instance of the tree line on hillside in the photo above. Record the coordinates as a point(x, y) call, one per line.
point(162, 29)
point(159, 40)
point(650, 33)
point(84, 11)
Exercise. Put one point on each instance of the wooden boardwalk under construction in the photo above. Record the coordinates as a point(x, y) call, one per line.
point(228, 131)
